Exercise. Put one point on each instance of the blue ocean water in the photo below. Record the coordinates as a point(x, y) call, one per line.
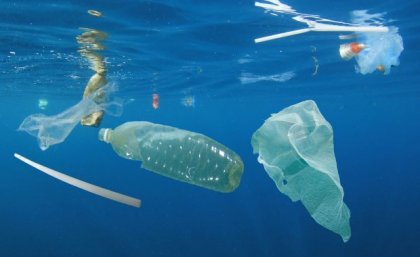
point(205, 50)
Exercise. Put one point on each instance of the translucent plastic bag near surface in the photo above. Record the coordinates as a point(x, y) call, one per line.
point(296, 148)
point(382, 52)
point(51, 130)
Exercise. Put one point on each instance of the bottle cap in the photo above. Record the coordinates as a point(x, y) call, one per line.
point(105, 135)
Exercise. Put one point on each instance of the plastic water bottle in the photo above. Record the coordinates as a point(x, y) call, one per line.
point(178, 154)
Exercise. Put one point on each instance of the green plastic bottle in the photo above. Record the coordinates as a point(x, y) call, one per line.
point(178, 154)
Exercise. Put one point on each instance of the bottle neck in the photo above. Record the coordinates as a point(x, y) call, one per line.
point(105, 135)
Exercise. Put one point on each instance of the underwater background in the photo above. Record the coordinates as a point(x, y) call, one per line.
point(204, 51)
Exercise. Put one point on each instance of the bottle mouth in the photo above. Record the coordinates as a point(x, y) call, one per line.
point(105, 135)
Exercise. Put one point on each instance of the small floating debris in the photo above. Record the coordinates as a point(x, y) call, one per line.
point(188, 101)
point(95, 13)
point(42, 103)
point(155, 101)
point(350, 50)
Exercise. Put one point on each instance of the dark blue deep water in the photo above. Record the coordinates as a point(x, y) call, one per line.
point(204, 49)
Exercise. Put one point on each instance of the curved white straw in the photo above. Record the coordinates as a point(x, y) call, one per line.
point(81, 184)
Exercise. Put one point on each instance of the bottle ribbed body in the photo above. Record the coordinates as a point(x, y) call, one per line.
point(179, 154)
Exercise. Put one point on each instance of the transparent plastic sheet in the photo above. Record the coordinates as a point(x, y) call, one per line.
point(51, 130)
point(382, 52)
point(296, 148)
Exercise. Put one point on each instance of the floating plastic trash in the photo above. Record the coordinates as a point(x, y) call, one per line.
point(248, 78)
point(95, 13)
point(350, 50)
point(315, 23)
point(178, 154)
point(382, 51)
point(188, 101)
point(42, 103)
point(124, 199)
point(378, 47)
point(296, 148)
point(155, 101)
point(51, 130)
point(91, 43)
point(95, 82)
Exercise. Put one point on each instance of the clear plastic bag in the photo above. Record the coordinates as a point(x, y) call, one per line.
point(297, 151)
point(51, 130)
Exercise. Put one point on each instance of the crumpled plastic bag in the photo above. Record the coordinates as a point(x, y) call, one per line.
point(296, 148)
point(51, 130)
point(382, 52)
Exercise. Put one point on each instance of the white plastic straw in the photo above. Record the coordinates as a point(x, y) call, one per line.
point(336, 28)
point(82, 185)
point(319, 27)
point(282, 35)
